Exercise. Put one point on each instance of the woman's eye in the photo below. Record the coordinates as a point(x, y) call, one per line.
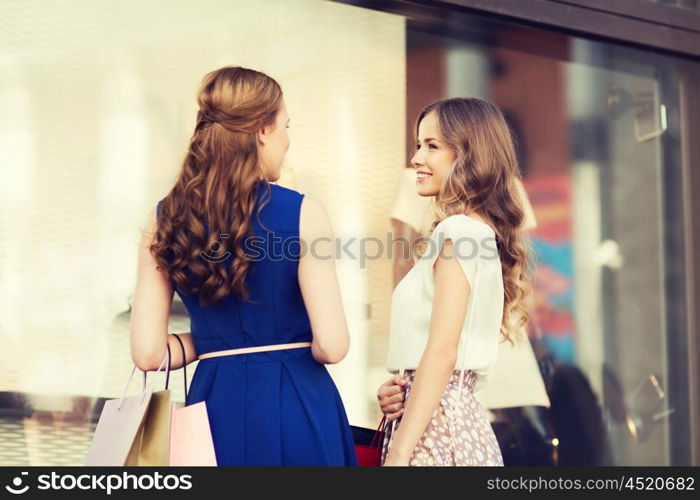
point(432, 146)
point(417, 146)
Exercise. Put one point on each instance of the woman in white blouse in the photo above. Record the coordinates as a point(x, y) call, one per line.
point(451, 309)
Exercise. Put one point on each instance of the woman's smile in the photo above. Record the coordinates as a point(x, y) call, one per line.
point(423, 175)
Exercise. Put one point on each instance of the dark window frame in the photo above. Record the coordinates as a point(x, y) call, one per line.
point(638, 23)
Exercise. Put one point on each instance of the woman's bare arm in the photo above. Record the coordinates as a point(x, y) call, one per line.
point(151, 309)
point(318, 281)
point(176, 351)
point(404, 237)
point(440, 356)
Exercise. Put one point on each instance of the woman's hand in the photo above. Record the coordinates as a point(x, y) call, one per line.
point(390, 396)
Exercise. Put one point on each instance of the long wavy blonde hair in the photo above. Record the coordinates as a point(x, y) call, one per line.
point(217, 187)
point(483, 179)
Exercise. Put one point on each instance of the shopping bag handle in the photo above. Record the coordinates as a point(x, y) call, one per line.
point(378, 433)
point(167, 371)
point(184, 364)
point(168, 357)
point(143, 390)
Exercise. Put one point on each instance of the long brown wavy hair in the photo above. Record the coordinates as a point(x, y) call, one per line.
point(216, 190)
point(483, 179)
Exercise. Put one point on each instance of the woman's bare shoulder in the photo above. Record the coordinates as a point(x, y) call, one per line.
point(314, 219)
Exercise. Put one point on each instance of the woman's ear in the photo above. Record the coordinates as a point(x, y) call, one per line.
point(262, 135)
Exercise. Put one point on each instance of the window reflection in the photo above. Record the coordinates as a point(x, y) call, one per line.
point(600, 164)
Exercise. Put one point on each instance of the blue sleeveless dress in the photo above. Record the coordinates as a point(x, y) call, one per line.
point(269, 408)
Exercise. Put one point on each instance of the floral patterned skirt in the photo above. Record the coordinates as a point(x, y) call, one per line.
point(462, 438)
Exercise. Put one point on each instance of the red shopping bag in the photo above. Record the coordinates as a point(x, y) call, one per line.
point(368, 444)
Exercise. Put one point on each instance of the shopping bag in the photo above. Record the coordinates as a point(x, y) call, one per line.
point(152, 446)
point(368, 444)
point(122, 436)
point(191, 441)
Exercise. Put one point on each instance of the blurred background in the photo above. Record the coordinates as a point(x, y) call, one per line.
point(97, 104)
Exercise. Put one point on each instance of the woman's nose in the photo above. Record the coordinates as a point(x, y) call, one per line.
point(416, 159)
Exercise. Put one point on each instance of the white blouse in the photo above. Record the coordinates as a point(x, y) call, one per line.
point(474, 245)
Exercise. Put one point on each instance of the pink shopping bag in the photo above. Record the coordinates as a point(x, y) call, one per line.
point(191, 442)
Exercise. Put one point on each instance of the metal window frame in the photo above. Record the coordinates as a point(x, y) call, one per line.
point(643, 10)
point(638, 23)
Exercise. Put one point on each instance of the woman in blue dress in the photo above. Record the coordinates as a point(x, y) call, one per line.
point(254, 264)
